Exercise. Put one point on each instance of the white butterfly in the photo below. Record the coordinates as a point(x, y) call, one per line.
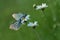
point(20, 19)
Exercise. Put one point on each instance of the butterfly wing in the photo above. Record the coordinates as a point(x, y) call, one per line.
point(16, 25)
point(17, 16)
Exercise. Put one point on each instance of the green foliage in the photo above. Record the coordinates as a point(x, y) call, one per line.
point(49, 21)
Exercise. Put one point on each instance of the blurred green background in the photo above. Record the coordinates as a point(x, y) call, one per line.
point(49, 21)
